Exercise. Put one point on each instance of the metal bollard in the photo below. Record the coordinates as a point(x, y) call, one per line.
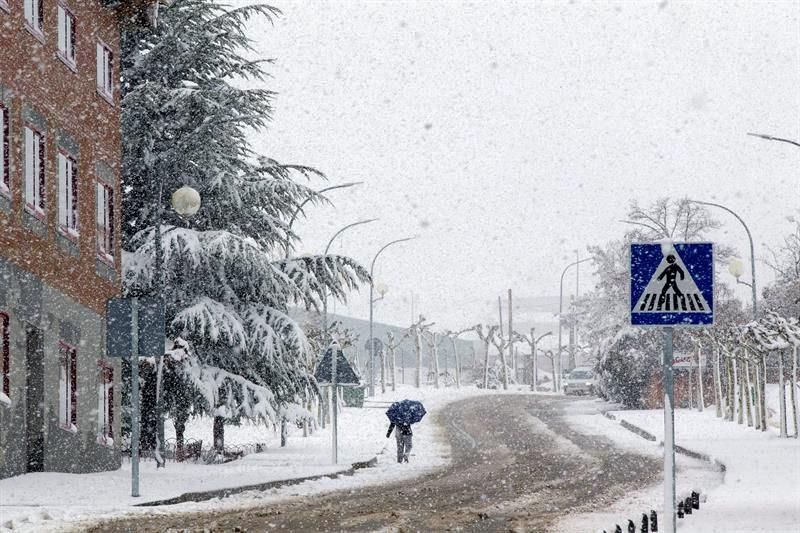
point(695, 500)
point(645, 526)
point(687, 505)
point(631, 527)
point(680, 509)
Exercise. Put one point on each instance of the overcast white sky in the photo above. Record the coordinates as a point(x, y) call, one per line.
point(509, 134)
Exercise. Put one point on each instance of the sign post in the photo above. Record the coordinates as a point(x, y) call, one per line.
point(335, 370)
point(134, 325)
point(672, 285)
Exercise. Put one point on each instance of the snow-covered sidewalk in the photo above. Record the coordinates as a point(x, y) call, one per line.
point(55, 501)
point(759, 491)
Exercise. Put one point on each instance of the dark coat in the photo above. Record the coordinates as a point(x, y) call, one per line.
point(403, 429)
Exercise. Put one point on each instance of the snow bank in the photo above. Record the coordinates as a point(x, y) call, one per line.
point(760, 490)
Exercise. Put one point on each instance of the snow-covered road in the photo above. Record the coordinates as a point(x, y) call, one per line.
point(515, 464)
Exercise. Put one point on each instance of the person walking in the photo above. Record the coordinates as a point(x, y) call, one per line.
point(403, 436)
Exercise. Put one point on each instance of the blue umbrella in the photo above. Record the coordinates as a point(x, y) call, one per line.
point(406, 412)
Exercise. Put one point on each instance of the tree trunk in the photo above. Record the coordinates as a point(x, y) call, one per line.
point(782, 396)
point(383, 371)
point(284, 432)
point(500, 348)
point(486, 367)
point(435, 355)
point(701, 401)
point(793, 393)
point(392, 363)
point(763, 384)
point(418, 348)
point(729, 390)
point(717, 384)
point(219, 433)
point(739, 370)
point(757, 369)
point(749, 397)
point(457, 363)
point(180, 428)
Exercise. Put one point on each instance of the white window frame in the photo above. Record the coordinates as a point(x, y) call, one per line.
point(68, 195)
point(104, 218)
point(105, 71)
point(35, 177)
point(67, 387)
point(34, 16)
point(105, 404)
point(66, 35)
point(5, 150)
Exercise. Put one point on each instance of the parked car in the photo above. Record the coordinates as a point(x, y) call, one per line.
point(580, 381)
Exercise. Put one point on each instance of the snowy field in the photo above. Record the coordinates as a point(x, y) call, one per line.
point(55, 502)
point(760, 491)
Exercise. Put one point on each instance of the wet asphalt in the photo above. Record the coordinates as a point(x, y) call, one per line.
point(516, 465)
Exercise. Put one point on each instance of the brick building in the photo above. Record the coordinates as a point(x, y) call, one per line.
point(59, 232)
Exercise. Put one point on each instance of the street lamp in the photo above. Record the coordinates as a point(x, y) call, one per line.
point(771, 138)
point(186, 203)
point(752, 283)
point(371, 302)
point(557, 379)
point(304, 202)
point(324, 290)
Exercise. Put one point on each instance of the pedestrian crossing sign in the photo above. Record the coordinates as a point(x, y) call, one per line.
point(672, 284)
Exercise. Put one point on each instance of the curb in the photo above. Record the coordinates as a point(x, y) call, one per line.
point(678, 449)
point(224, 493)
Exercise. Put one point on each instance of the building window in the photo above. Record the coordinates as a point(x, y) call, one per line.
point(5, 359)
point(105, 404)
point(67, 195)
point(34, 172)
point(34, 15)
point(5, 173)
point(66, 35)
point(105, 71)
point(68, 387)
point(105, 222)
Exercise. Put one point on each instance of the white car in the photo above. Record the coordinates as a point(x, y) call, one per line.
point(580, 381)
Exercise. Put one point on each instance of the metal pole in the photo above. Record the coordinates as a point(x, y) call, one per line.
point(371, 302)
point(511, 337)
point(557, 367)
point(135, 397)
point(534, 366)
point(752, 252)
point(335, 387)
point(669, 435)
point(159, 287)
point(325, 339)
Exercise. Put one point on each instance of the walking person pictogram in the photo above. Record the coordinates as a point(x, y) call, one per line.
point(671, 273)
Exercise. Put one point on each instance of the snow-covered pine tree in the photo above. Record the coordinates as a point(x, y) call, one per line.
point(186, 119)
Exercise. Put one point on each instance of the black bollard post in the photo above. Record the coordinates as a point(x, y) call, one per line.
point(680, 509)
point(645, 526)
point(695, 499)
point(617, 529)
point(687, 505)
point(631, 527)
point(653, 520)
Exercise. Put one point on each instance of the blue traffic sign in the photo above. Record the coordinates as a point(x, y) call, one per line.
point(672, 284)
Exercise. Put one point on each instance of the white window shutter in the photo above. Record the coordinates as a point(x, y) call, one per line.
point(101, 77)
point(63, 191)
point(29, 11)
point(62, 31)
point(30, 157)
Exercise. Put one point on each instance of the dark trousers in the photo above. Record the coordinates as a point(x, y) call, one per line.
point(403, 446)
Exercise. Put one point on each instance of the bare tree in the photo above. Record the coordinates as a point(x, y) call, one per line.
point(486, 338)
